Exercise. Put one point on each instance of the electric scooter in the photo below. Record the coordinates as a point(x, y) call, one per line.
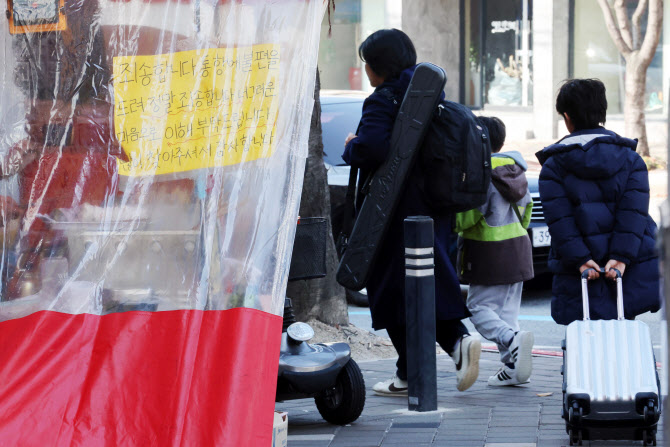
point(323, 371)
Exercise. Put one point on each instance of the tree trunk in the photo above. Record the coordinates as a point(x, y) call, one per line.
point(322, 298)
point(636, 84)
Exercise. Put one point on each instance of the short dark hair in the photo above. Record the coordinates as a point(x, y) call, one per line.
point(497, 131)
point(388, 52)
point(584, 101)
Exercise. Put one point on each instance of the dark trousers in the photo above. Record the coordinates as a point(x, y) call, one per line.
point(447, 333)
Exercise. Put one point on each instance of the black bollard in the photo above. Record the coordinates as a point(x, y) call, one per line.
point(420, 313)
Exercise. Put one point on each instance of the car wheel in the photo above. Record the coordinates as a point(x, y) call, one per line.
point(359, 298)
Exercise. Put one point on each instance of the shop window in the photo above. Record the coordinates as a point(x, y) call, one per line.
point(594, 55)
point(498, 59)
point(339, 65)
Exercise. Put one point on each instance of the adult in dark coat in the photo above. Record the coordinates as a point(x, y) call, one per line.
point(390, 63)
point(595, 194)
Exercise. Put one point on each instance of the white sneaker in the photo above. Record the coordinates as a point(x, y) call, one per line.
point(466, 357)
point(505, 377)
point(521, 350)
point(391, 387)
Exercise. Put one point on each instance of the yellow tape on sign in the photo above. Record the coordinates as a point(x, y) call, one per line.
point(196, 109)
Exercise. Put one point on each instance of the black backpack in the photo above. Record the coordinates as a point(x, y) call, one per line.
point(455, 159)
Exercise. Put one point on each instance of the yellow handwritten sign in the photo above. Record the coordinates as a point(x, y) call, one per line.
point(195, 109)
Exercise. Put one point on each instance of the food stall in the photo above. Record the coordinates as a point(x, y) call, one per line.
point(152, 156)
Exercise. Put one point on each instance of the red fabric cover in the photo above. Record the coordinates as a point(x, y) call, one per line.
point(82, 170)
point(173, 378)
point(93, 128)
point(62, 179)
point(189, 1)
point(163, 1)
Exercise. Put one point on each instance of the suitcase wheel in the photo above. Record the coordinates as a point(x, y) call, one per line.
point(650, 413)
point(575, 436)
point(649, 437)
point(575, 414)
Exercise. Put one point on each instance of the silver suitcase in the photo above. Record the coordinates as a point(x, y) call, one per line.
point(610, 384)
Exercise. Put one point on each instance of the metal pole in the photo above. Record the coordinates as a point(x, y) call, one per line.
point(525, 53)
point(197, 15)
point(665, 261)
point(420, 314)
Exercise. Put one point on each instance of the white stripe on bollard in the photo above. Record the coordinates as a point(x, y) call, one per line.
point(419, 273)
point(419, 251)
point(424, 261)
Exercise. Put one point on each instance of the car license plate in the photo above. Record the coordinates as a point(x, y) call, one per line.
point(541, 237)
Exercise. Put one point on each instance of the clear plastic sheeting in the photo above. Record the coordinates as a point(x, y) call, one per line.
point(152, 152)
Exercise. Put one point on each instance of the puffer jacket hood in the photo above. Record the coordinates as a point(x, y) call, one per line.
point(514, 155)
point(589, 153)
point(509, 178)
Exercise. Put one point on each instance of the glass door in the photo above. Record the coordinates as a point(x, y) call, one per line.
point(498, 45)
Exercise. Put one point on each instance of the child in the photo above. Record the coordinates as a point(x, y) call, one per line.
point(496, 259)
point(595, 195)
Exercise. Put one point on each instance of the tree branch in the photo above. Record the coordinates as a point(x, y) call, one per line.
point(624, 23)
point(653, 34)
point(637, 18)
point(613, 29)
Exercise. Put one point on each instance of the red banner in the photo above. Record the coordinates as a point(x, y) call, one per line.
point(174, 378)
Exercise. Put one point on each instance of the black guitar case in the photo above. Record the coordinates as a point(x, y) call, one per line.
point(414, 117)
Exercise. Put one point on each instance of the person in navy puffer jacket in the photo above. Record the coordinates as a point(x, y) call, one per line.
point(595, 194)
point(390, 59)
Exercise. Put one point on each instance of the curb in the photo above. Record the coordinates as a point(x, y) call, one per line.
point(539, 353)
point(536, 352)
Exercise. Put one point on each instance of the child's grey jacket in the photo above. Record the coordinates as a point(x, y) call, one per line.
point(496, 248)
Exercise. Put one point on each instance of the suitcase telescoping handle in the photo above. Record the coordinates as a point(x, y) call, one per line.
point(585, 293)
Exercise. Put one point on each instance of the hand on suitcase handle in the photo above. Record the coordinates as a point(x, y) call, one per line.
point(585, 293)
point(613, 266)
point(591, 268)
point(585, 273)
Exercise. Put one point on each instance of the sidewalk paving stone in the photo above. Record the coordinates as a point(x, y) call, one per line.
point(482, 416)
point(513, 444)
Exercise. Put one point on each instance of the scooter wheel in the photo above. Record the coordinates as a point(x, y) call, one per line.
point(343, 403)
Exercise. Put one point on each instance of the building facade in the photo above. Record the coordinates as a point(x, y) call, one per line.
point(343, 30)
point(503, 57)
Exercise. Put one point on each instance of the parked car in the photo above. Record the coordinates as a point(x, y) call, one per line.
point(340, 114)
point(538, 230)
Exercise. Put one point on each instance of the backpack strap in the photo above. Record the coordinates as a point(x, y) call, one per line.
point(515, 207)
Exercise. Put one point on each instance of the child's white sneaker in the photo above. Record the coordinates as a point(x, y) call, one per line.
point(505, 377)
point(391, 387)
point(521, 351)
point(466, 357)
